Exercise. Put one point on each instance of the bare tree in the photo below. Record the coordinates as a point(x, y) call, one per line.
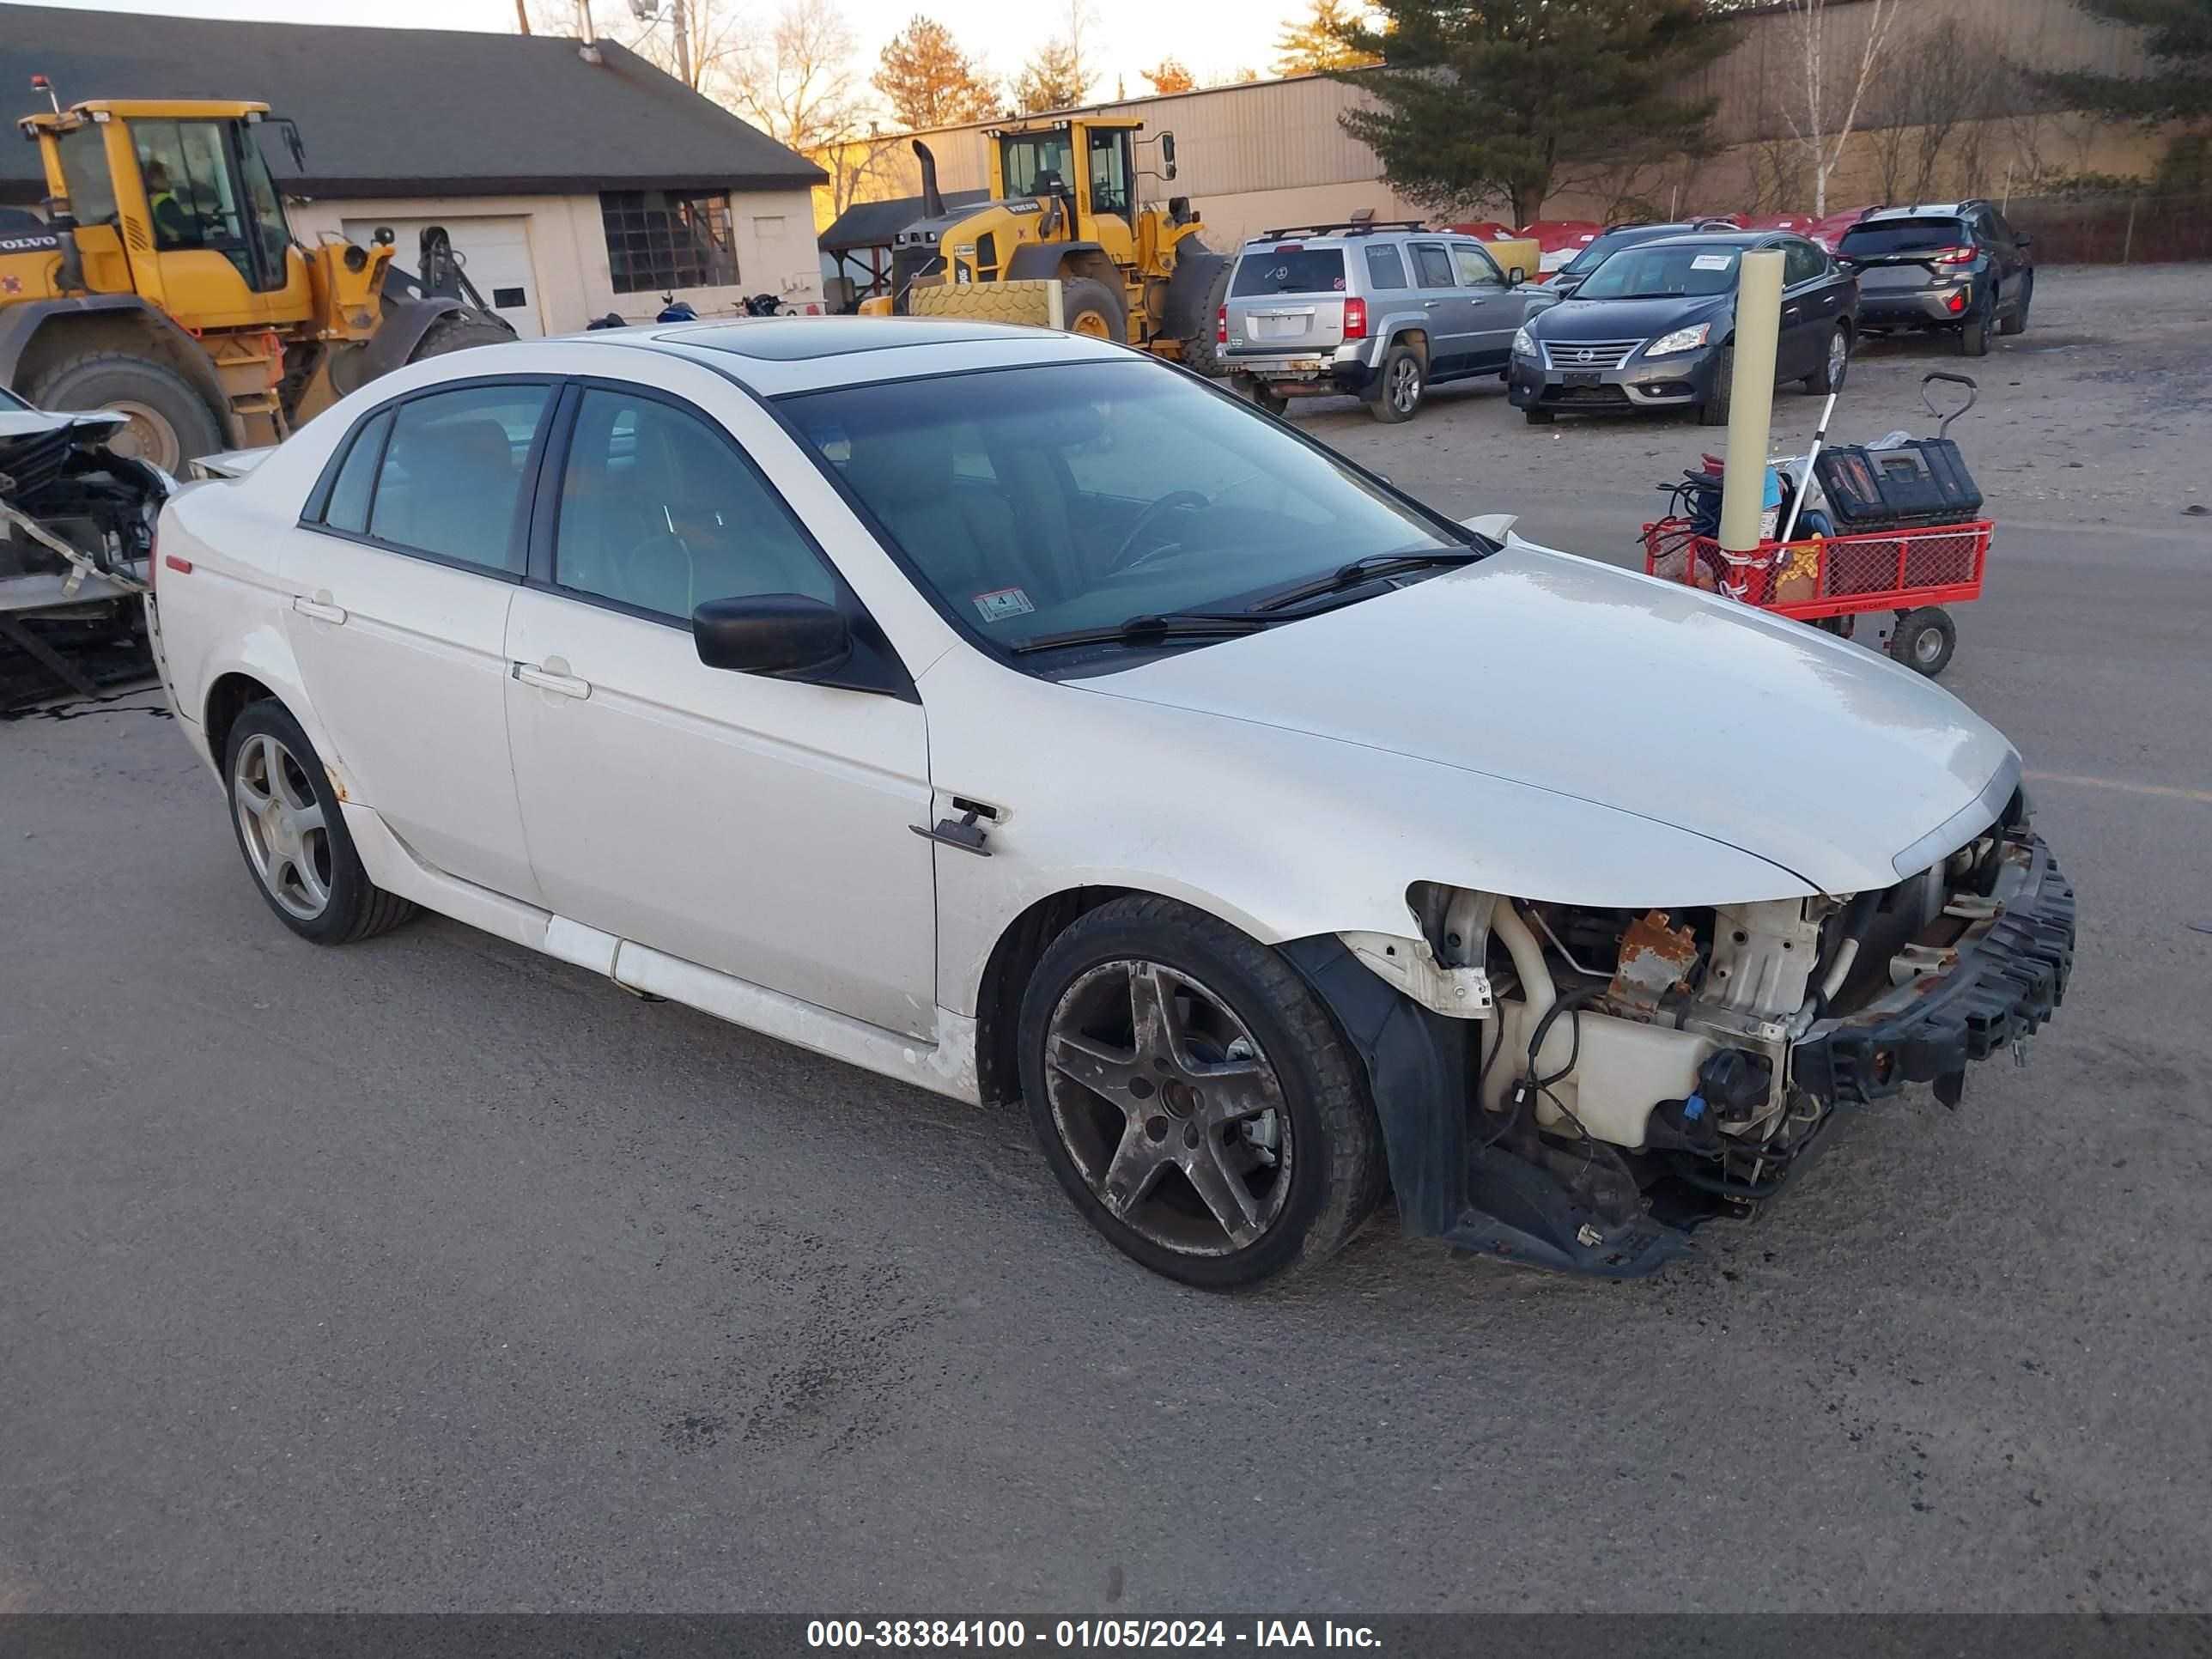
point(1934, 121)
point(1825, 109)
point(797, 83)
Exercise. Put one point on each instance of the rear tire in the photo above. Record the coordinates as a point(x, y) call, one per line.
point(170, 422)
point(1265, 397)
point(458, 332)
point(2017, 323)
point(1399, 385)
point(1322, 1170)
point(1835, 364)
point(1974, 333)
point(1089, 307)
point(1925, 640)
point(293, 835)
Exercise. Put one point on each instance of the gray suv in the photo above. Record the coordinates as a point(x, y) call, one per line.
point(1380, 311)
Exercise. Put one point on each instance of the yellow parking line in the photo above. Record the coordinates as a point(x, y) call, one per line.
point(2171, 790)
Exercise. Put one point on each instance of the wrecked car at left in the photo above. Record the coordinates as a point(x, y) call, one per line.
point(76, 529)
point(1023, 718)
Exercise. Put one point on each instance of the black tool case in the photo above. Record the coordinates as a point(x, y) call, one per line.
point(1917, 482)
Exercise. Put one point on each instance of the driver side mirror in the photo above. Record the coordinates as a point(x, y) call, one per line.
point(786, 635)
point(2023, 239)
point(1167, 155)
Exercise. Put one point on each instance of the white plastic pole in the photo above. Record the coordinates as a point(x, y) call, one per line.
point(1805, 481)
point(1751, 398)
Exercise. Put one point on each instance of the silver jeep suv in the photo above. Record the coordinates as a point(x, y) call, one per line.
point(1382, 311)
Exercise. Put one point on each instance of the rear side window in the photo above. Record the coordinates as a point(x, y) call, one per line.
point(356, 479)
point(1902, 236)
point(1385, 269)
point(1434, 269)
point(452, 474)
point(1292, 271)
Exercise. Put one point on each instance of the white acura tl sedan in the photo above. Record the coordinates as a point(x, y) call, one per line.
point(1019, 716)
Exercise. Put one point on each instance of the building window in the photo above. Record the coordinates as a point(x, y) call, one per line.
point(660, 239)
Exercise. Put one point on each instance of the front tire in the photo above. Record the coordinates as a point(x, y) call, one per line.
point(458, 331)
point(1088, 308)
point(1714, 410)
point(1194, 1097)
point(293, 836)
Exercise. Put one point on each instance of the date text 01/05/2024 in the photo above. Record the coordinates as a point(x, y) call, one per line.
point(1012, 1634)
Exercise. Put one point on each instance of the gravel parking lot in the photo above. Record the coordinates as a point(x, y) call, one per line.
point(434, 1275)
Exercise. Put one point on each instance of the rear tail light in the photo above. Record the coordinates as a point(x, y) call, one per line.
point(1954, 256)
point(1355, 319)
point(1221, 326)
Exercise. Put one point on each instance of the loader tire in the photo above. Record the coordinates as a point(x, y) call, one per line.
point(1202, 352)
point(457, 333)
point(170, 422)
point(1088, 306)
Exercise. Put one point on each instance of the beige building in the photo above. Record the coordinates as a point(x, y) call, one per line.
point(572, 186)
point(1267, 154)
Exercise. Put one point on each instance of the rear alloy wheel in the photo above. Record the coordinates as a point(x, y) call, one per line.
point(1401, 384)
point(1974, 335)
point(1193, 1097)
point(1829, 377)
point(294, 836)
point(1925, 640)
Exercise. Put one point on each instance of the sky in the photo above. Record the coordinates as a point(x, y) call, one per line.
point(1213, 39)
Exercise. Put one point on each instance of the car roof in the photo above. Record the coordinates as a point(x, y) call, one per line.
point(1722, 239)
point(1922, 210)
point(773, 356)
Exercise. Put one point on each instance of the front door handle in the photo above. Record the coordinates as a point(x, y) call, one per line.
point(1431, 304)
point(547, 679)
point(319, 608)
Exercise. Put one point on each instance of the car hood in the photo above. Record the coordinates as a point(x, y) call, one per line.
point(1562, 674)
point(1574, 318)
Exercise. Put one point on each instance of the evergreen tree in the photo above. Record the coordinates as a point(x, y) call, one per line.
point(928, 81)
point(2178, 41)
point(1484, 101)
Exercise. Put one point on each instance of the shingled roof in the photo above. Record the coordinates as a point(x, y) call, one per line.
point(401, 112)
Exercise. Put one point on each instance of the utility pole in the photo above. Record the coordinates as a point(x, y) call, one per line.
point(677, 21)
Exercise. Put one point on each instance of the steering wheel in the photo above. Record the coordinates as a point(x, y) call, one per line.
point(639, 569)
point(1173, 500)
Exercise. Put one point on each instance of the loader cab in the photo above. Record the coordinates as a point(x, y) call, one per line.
point(175, 201)
point(1088, 168)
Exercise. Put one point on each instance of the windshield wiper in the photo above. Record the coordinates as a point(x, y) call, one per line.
point(1147, 630)
point(1371, 568)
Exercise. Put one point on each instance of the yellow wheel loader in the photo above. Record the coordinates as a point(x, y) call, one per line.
point(164, 283)
point(1064, 241)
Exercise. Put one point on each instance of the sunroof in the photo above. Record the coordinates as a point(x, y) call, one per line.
point(795, 339)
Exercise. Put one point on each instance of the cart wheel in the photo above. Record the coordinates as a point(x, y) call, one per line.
point(1925, 639)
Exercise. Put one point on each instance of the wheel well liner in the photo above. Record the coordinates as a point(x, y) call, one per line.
point(37, 335)
point(226, 699)
point(1006, 971)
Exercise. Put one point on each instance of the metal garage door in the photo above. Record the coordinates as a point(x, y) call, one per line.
point(495, 252)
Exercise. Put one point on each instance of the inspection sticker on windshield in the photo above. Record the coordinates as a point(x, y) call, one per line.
point(1001, 603)
point(1712, 262)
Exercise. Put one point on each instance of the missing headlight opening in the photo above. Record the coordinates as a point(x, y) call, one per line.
point(1671, 1065)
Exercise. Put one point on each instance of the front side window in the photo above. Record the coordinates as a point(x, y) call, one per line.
point(659, 240)
point(1110, 172)
point(1434, 268)
point(1114, 489)
point(189, 189)
point(1474, 267)
point(1662, 271)
point(1800, 262)
point(450, 482)
point(659, 511)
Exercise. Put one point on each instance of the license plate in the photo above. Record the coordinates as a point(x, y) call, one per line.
point(1585, 378)
point(1279, 328)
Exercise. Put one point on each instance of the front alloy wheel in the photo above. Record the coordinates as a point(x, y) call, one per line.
point(1169, 1109)
point(1195, 1095)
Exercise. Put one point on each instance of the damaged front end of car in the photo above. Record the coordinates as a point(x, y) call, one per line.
point(77, 536)
point(1580, 1088)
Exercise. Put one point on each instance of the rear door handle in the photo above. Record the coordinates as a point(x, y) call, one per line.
point(321, 610)
point(567, 685)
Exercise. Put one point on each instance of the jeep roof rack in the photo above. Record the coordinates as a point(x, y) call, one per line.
point(1350, 227)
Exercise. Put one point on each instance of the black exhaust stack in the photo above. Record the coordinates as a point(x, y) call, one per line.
point(932, 201)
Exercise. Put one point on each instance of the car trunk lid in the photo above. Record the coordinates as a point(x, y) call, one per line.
point(1287, 298)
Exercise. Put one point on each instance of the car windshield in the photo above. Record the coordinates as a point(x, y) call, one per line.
point(1595, 254)
point(1049, 499)
point(1901, 236)
point(1290, 270)
point(1664, 272)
